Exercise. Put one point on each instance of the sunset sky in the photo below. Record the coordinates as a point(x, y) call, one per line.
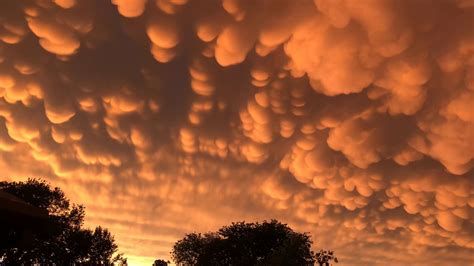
point(349, 119)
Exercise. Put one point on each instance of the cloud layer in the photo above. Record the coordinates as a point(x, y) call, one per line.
point(352, 120)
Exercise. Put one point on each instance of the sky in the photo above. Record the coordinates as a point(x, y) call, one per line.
point(350, 120)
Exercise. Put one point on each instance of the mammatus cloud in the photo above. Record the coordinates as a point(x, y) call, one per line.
point(352, 120)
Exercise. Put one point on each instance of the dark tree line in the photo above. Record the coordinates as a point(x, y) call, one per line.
point(58, 237)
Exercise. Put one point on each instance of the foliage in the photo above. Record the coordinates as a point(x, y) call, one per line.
point(267, 243)
point(324, 257)
point(160, 262)
point(61, 239)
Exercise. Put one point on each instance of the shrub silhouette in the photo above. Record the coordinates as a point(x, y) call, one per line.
point(160, 262)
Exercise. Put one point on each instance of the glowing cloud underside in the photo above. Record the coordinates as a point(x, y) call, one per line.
point(353, 120)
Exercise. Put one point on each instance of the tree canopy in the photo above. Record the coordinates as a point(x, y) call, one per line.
point(324, 257)
point(267, 243)
point(61, 239)
point(161, 262)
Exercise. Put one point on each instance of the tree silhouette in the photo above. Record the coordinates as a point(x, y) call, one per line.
point(160, 262)
point(324, 257)
point(59, 238)
point(267, 243)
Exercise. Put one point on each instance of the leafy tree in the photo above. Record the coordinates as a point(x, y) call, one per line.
point(160, 262)
point(61, 239)
point(324, 257)
point(267, 243)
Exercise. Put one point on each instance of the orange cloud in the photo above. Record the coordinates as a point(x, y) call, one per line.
point(352, 121)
